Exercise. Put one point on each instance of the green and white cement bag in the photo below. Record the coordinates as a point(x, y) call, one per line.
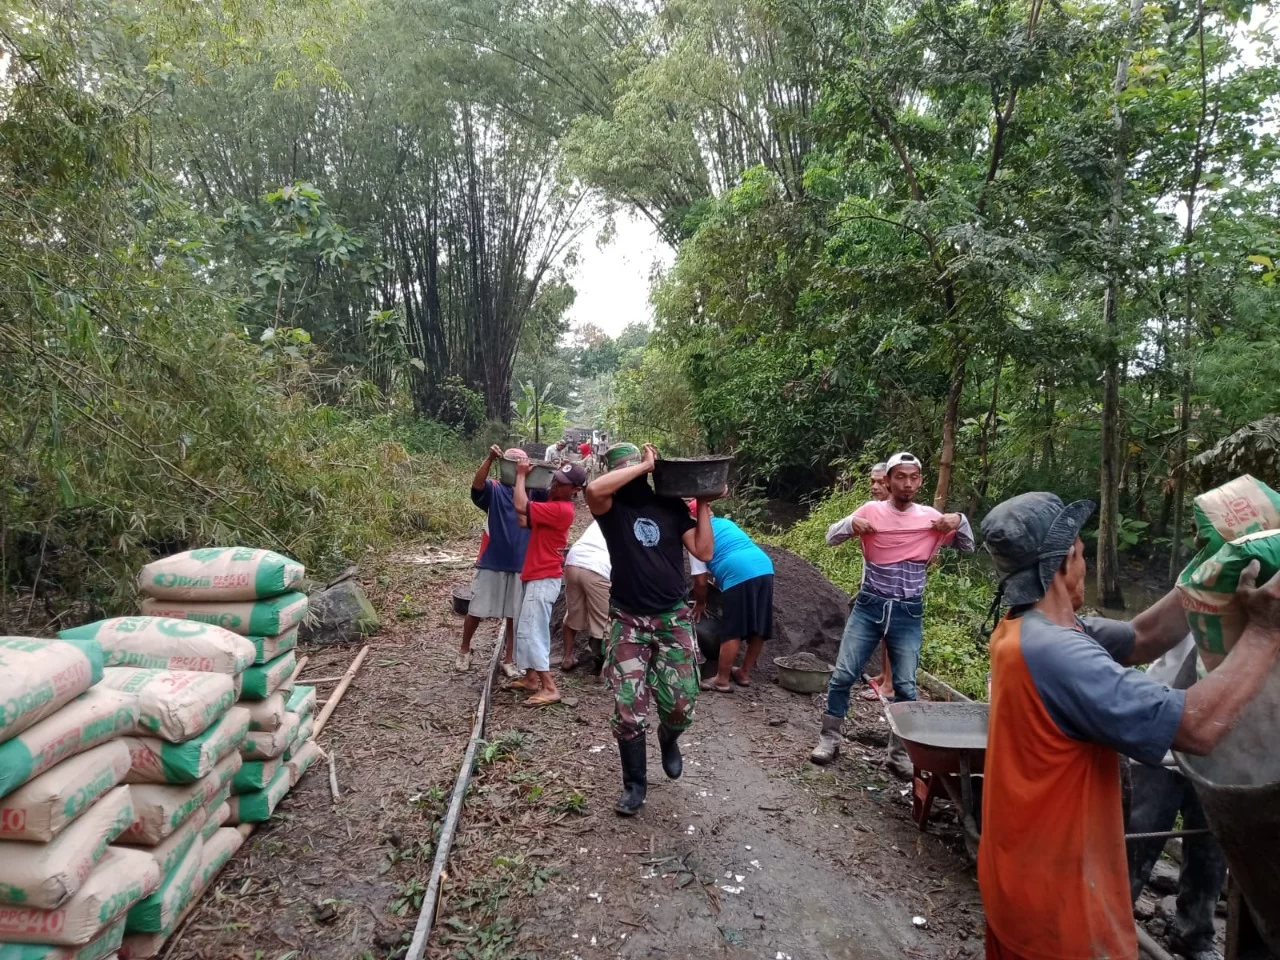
point(122, 879)
point(302, 701)
point(221, 573)
point(157, 761)
point(265, 714)
point(47, 875)
point(265, 745)
point(262, 681)
point(161, 810)
point(88, 720)
point(169, 852)
point(102, 947)
point(166, 643)
point(174, 705)
point(42, 807)
point(1244, 505)
point(250, 618)
point(257, 807)
point(37, 677)
point(305, 730)
point(1208, 588)
point(158, 912)
point(220, 848)
point(268, 648)
point(304, 756)
point(214, 820)
point(255, 775)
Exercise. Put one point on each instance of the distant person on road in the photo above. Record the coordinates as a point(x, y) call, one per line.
point(651, 655)
point(587, 571)
point(1051, 862)
point(495, 589)
point(899, 538)
point(548, 523)
point(744, 574)
point(584, 449)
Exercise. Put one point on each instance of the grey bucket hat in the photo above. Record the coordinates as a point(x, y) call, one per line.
point(1027, 537)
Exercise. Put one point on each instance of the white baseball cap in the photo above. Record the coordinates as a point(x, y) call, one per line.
point(903, 459)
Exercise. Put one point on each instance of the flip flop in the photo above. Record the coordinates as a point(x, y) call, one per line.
point(735, 676)
point(708, 685)
point(541, 700)
point(521, 685)
point(869, 695)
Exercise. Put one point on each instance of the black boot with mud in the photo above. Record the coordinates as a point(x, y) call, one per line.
point(672, 762)
point(634, 779)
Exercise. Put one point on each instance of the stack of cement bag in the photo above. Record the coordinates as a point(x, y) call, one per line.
point(65, 892)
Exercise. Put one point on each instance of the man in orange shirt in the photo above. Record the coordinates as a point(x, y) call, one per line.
point(1051, 863)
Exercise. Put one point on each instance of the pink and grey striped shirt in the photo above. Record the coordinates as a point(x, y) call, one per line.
point(896, 556)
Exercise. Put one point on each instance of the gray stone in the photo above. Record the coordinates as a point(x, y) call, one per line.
point(339, 614)
point(1164, 876)
point(1144, 908)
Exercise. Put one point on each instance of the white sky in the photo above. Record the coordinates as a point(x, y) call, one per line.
point(613, 283)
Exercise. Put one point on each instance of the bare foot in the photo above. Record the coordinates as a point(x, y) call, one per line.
point(740, 678)
point(543, 698)
point(524, 683)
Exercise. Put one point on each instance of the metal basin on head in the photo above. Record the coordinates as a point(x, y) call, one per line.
point(1239, 787)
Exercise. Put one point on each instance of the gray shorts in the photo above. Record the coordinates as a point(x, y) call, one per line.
point(495, 593)
point(533, 629)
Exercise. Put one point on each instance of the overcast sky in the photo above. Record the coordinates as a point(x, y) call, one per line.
point(613, 283)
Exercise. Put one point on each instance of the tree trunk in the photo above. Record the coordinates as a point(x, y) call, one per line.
point(950, 419)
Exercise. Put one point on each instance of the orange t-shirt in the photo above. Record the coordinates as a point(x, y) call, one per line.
point(1051, 864)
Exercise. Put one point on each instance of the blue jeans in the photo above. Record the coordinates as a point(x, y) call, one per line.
point(900, 623)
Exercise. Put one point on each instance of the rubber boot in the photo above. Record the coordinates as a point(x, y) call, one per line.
point(672, 762)
point(898, 760)
point(597, 656)
point(634, 781)
point(828, 747)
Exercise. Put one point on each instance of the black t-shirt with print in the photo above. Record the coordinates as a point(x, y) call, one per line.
point(644, 532)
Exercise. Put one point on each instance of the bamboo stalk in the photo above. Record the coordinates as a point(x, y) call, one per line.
point(336, 697)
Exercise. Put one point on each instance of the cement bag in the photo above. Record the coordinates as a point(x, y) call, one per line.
point(258, 806)
point(166, 643)
point(174, 705)
point(47, 875)
point(102, 947)
point(255, 775)
point(301, 761)
point(1208, 589)
point(268, 648)
point(262, 681)
point(88, 720)
point(158, 912)
point(157, 761)
point(250, 618)
point(122, 879)
point(304, 736)
point(160, 810)
point(1228, 512)
point(168, 853)
point(265, 714)
point(216, 818)
point(221, 848)
point(221, 573)
point(41, 808)
point(263, 745)
point(39, 676)
point(302, 701)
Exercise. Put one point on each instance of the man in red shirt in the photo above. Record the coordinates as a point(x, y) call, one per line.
point(543, 571)
point(584, 448)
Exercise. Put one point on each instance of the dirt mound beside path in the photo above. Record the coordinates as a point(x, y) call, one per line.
point(809, 611)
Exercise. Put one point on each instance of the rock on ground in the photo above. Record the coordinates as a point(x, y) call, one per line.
point(340, 614)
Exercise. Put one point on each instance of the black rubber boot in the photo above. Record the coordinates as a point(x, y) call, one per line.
point(672, 762)
point(597, 656)
point(634, 781)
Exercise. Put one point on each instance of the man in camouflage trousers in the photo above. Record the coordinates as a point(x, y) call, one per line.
point(651, 655)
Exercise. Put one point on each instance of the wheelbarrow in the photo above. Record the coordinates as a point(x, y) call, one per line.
point(947, 744)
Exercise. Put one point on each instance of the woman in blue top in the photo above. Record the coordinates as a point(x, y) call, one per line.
point(744, 574)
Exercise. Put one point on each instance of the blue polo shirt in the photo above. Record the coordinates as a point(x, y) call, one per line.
point(508, 541)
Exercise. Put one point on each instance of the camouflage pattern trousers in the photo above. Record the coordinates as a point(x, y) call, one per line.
point(652, 658)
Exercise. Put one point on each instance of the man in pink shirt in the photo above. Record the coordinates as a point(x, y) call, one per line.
point(899, 538)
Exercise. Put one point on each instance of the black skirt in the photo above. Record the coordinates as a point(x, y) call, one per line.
point(747, 609)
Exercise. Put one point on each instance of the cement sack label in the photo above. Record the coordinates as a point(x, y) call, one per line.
point(168, 853)
point(102, 947)
point(42, 807)
point(216, 818)
point(304, 736)
point(165, 643)
point(47, 875)
point(174, 705)
point(1231, 511)
point(264, 745)
point(1208, 588)
point(250, 618)
point(258, 806)
point(221, 573)
point(38, 676)
point(161, 810)
point(122, 879)
point(88, 720)
point(152, 760)
point(268, 648)
point(255, 775)
point(302, 701)
point(265, 714)
point(301, 761)
point(158, 912)
point(261, 682)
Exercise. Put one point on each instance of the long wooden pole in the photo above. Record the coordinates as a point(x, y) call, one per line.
point(341, 688)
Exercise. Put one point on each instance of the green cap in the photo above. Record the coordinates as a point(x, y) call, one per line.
point(621, 455)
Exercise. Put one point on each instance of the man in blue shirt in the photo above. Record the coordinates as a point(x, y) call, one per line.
point(744, 574)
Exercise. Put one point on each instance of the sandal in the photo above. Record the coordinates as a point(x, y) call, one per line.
point(869, 695)
point(709, 685)
point(522, 685)
point(736, 676)
point(542, 700)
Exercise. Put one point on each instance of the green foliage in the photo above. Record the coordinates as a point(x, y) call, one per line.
point(536, 416)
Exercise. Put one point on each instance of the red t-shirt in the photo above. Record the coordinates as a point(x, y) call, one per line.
point(549, 524)
point(584, 448)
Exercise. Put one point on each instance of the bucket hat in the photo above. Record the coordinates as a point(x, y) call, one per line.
point(1028, 536)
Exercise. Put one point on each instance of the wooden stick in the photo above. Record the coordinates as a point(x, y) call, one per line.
point(312, 683)
point(298, 668)
point(336, 696)
point(333, 777)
